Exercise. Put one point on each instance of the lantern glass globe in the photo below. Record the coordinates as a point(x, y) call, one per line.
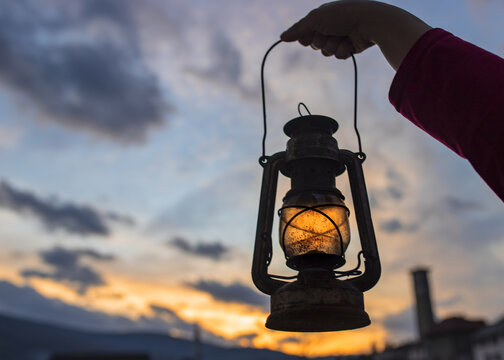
point(314, 222)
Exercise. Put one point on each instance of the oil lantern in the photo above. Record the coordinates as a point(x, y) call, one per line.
point(314, 232)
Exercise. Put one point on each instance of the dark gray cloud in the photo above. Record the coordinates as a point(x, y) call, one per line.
point(122, 219)
point(392, 193)
point(226, 65)
point(93, 254)
point(67, 268)
point(249, 337)
point(80, 63)
point(290, 340)
point(24, 301)
point(214, 250)
point(401, 325)
point(165, 318)
point(449, 302)
point(458, 205)
point(466, 222)
point(163, 315)
point(27, 302)
point(397, 184)
point(161, 309)
point(395, 225)
point(395, 192)
point(55, 215)
point(235, 292)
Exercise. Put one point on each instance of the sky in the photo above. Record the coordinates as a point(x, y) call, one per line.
point(129, 181)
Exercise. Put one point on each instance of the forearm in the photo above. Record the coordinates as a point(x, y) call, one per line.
point(394, 30)
point(453, 90)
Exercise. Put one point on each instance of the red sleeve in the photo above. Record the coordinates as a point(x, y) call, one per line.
point(454, 91)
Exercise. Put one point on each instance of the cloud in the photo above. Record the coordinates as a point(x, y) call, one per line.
point(401, 325)
point(395, 225)
point(159, 309)
point(73, 218)
point(81, 64)
point(225, 58)
point(457, 205)
point(94, 254)
point(10, 136)
point(24, 301)
point(248, 337)
point(226, 65)
point(122, 219)
point(68, 270)
point(450, 301)
point(215, 251)
point(164, 315)
point(27, 302)
point(165, 319)
point(235, 292)
point(290, 340)
point(391, 226)
point(397, 184)
point(214, 204)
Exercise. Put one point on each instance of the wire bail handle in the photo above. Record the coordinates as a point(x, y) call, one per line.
point(263, 159)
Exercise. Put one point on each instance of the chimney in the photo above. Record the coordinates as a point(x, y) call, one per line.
point(197, 342)
point(425, 316)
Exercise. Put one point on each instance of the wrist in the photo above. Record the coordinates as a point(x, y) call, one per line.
point(394, 30)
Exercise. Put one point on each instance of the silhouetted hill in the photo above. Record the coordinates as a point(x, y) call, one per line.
point(21, 339)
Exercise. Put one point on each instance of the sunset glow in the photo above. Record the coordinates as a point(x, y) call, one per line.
point(129, 191)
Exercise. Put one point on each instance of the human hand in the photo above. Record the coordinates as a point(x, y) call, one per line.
point(346, 27)
point(334, 28)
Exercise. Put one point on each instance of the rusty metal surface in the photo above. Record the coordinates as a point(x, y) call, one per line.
point(362, 211)
point(313, 306)
point(263, 250)
point(315, 145)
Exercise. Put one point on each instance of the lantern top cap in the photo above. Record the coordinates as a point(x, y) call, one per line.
point(311, 123)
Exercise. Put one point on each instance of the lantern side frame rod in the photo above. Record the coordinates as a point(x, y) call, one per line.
point(362, 212)
point(263, 249)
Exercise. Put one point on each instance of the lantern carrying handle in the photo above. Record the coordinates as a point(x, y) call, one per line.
point(263, 159)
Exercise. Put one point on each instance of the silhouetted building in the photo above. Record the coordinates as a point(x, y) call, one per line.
point(488, 343)
point(403, 352)
point(449, 339)
point(197, 343)
point(425, 315)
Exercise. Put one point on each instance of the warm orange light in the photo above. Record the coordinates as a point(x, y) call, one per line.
point(314, 222)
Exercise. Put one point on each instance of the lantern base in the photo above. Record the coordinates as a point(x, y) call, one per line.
point(315, 305)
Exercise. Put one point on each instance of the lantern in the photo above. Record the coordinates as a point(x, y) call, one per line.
point(314, 232)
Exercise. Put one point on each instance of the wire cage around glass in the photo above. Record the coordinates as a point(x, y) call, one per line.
point(314, 229)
